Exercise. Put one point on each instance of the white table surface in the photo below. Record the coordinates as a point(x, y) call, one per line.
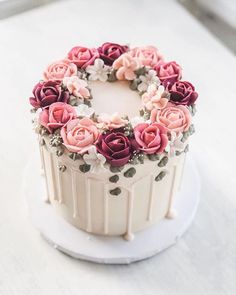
point(204, 261)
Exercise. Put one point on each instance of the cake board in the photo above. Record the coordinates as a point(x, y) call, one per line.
point(110, 250)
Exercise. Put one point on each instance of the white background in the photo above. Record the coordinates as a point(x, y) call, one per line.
point(204, 261)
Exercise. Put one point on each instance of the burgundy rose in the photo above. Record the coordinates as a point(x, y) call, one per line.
point(182, 92)
point(168, 72)
point(115, 147)
point(83, 56)
point(46, 93)
point(109, 52)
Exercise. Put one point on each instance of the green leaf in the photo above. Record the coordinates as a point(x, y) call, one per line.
point(84, 168)
point(130, 172)
point(114, 178)
point(115, 192)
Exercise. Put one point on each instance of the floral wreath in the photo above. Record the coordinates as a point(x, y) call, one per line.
point(63, 104)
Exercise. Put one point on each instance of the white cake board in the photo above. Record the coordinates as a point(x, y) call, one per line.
point(111, 250)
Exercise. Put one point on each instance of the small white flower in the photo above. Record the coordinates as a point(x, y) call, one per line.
point(95, 160)
point(98, 71)
point(83, 110)
point(148, 79)
point(136, 120)
point(175, 144)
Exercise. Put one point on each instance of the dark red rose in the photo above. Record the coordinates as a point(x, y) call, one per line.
point(109, 52)
point(182, 92)
point(46, 93)
point(168, 72)
point(115, 147)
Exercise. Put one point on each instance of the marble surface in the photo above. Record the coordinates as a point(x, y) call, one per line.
point(204, 260)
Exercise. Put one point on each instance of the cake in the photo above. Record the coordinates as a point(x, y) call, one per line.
point(113, 127)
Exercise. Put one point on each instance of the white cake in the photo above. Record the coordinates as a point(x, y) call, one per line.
point(113, 168)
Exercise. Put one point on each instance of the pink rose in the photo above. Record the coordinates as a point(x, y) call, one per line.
point(148, 56)
point(152, 138)
point(168, 72)
point(153, 97)
point(82, 56)
point(111, 51)
point(174, 118)
point(111, 121)
point(59, 69)
point(126, 66)
point(79, 135)
point(76, 86)
point(56, 116)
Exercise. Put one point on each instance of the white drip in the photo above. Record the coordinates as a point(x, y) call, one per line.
point(88, 204)
point(168, 214)
point(74, 193)
point(149, 217)
point(59, 180)
point(129, 235)
point(105, 210)
point(47, 199)
point(53, 176)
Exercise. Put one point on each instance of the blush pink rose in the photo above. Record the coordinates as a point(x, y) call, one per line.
point(168, 72)
point(79, 135)
point(175, 118)
point(111, 121)
point(56, 116)
point(151, 138)
point(147, 56)
point(76, 86)
point(59, 69)
point(83, 56)
point(126, 66)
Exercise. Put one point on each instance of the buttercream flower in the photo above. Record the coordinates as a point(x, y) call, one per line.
point(84, 111)
point(46, 93)
point(151, 138)
point(174, 118)
point(126, 66)
point(183, 92)
point(148, 79)
point(154, 97)
point(60, 69)
point(98, 71)
point(79, 135)
point(76, 86)
point(109, 52)
point(95, 160)
point(148, 55)
point(115, 147)
point(56, 116)
point(168, 72)
point(83, 56)
point(113, 121)
point(136, 120)
point(175, 144)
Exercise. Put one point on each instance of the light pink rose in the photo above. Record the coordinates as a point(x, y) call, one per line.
point(151, 138)
point(126, 66)
point(168, 72)
point(76, 86)
point(79, 135)
point(59, 69)
point(148, 55)
point(83, 56)
point(175, 118)
point(153, 98)
point(111, 121)
point(57, 115)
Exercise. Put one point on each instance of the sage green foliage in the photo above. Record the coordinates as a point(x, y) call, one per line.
point(84, 168)
point(115, 192)
point(163, 162)
point(114, 178)
point(130, 172)
point(160, 176)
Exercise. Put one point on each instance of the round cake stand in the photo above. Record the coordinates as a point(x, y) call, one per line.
point(111, 250)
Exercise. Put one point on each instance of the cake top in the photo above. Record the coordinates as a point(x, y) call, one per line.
point(148, 106)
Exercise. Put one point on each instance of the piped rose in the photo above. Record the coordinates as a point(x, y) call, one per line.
point(147, 56)
point(109, 52)
point(46, 93)
point(79, 135)
point(126, 66)
point(168, 72)
point(172, 117)
point(56, 116)
point(183, 92)
point(83, 56)
point(151, 138)
point(115, 147)
point(60, 69)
